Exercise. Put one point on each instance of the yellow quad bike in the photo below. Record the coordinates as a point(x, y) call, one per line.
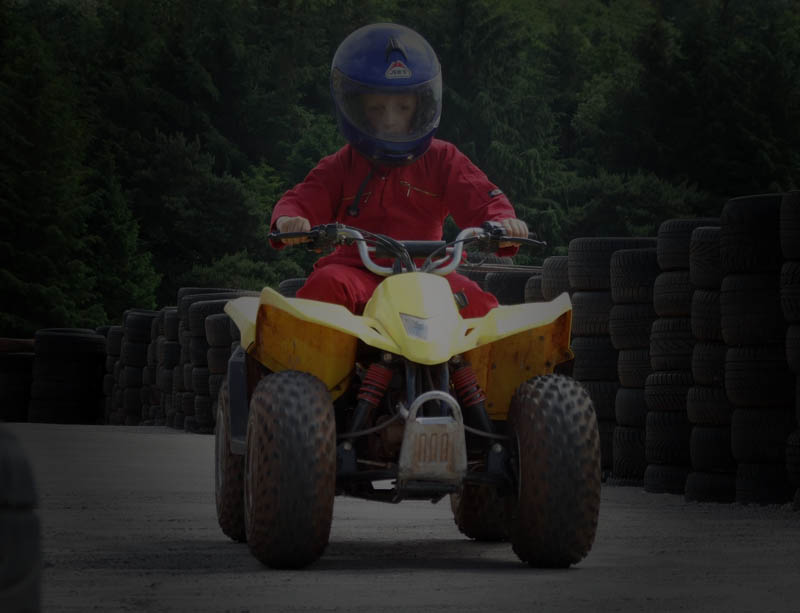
point(320, 402)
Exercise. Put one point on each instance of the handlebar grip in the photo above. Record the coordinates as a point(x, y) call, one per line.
point(276, 236)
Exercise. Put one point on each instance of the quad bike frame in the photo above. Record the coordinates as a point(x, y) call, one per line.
point(502, 350)
point(426, 400)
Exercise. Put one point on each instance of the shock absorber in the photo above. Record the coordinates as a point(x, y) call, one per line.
point(471, 396)
point(373, 387)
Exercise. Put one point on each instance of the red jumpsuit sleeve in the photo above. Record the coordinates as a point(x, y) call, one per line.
point(473, 199)
point(316, 197)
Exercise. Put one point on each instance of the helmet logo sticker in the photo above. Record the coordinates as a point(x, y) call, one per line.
point(398, 70)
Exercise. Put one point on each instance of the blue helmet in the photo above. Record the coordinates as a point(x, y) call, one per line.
point(386, 84)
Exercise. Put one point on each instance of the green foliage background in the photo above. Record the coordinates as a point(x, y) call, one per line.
point(143, 143)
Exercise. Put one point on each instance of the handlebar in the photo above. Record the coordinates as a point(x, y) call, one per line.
point(490, 235)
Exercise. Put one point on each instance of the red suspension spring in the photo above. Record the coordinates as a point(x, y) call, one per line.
point(467, 388)
point(375, 383)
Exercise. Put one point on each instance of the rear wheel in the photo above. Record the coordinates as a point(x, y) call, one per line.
point(480, 513)
point(229, 473)
point(556, 445)
point(290, 469)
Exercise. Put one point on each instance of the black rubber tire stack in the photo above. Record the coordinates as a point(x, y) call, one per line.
point(204, 414)
point(790, 305)
point(152, 412)
point(509, 286)
point(595, 366)
point(176, 417)
point(478, 265)
point(111, 388)
point(183, 395)
point(136, 329)
point(758, 381)
point(713, 475)
point(107, 384)
point(168, 354)
point(533, 289)
point(16, 376)
point(20, 531)
point(633, 275)
point(194, 354)
point(555, 276)
point(67, 382)
point(671, 344)
point(220, 346)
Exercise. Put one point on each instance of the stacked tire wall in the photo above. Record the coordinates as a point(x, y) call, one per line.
point(152, 411)
point(554, 282)
point(790, 306)
point(633, 274)
point(713, 475)
point(595, 366)
point(111, 388)
point(183, 397)
point(515, 285)
point(67, 376)
point(16, 374)
point(671, 344)
point(222, 336)
point(136, 331)
point(199, 312)
point(758, 381)
point(478, 265)
point(194, 305)
point(168, 353)
point(555, 276)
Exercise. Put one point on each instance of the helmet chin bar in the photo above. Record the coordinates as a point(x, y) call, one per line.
point(384, 153)
point(391, 159)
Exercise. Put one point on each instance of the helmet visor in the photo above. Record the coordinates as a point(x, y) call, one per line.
point(396, 114)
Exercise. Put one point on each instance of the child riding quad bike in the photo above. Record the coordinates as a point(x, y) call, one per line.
point(320, 402)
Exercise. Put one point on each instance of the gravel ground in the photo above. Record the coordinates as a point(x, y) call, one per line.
point(128, 524)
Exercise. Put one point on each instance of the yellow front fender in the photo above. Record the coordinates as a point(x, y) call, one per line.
point(413, 315)
point(297, 334)
point(516, 343)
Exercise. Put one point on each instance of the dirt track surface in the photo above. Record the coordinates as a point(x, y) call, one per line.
point(128, 524)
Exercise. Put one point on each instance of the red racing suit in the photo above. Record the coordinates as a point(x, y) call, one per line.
point(406, 202)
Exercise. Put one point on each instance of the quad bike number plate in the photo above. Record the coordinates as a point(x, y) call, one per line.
point(433, 448)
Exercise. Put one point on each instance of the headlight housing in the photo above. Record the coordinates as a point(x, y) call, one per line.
point(418, 327)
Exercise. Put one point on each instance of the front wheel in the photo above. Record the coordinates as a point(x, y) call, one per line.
point(228, 473)
point(290, 469)
point(555, 445)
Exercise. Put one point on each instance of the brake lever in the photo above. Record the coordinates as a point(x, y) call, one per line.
point(496, 234)
point(533, 242)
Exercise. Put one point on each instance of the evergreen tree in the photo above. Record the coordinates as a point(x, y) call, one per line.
point(124, 276)
point(44, 272)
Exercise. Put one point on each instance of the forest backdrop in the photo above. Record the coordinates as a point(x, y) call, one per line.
point(143, 143)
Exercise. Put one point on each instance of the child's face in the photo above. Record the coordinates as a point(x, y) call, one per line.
point(390, 114)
